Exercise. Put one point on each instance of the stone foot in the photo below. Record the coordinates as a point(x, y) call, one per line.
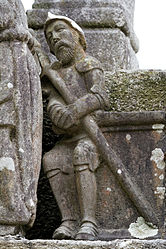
point(88, 231)
point(65, 231)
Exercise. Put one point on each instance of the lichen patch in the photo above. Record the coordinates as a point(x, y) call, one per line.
point(128, 137)
point(10, 85)
point(158, 127)
point(125, 244)
point(142, 230)
point(119, 171)
point(160, 191)
point(7, 163)
point(30, 203)
point(161, 177)
point(158, 158)
point(21, 150)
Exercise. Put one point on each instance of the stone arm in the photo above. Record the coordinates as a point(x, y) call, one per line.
point(96, 99)
point(56, 109)
point(67, 116)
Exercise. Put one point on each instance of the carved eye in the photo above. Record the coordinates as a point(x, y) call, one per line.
point(49, 35)
point(59, 29)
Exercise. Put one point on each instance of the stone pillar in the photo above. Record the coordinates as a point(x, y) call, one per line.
point(108, 27)
point(20, 121)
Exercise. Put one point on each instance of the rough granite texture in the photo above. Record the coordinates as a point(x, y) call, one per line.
point(129, 91)
point(140, 90)
point(68, 244)
point(117, 55)
point(20, 120)
point(112, 21)
point(21, 127)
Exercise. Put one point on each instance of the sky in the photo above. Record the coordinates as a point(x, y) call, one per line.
point(149, 26)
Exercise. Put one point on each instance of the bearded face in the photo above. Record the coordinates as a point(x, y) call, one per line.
point(62, 40)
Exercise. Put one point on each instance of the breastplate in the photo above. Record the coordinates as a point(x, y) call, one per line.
point(74, 81)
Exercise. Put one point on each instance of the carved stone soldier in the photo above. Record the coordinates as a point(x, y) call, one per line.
point(74, 159)
point(20, 121)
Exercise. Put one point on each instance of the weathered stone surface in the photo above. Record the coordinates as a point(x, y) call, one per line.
point(137, 137)
point(117, 54)
point(112, 21)
point(75, 154)
point(141, 138)
point(142, 90)
point(111, 47)
point(105, 13)
point(138, 144)
point(68, 244)
point(20, 121)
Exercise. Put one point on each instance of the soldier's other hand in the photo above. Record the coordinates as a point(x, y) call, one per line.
point(43, 60)
point(65, 119)
point(33, 43)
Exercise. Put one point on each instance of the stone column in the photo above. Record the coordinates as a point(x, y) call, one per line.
point(108, 27)
point(20, 121)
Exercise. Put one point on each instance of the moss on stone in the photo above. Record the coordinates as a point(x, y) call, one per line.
point(141, 90)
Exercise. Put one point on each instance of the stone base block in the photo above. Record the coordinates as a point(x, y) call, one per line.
point(9, 243)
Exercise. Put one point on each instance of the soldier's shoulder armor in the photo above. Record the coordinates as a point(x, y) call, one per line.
point(88, 63)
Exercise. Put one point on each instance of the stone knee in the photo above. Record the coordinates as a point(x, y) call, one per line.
point(58, 166)
point(85, 156)
point(59, 159)
point(85, 162)
point(49, 165)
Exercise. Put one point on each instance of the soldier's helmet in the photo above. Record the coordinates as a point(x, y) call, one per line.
point(51, 18)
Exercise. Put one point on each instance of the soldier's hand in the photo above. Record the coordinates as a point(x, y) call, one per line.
point(64, 118)
point(44, 61)
point(33, 43)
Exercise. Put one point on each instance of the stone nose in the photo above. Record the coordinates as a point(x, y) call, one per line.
point(55, 37)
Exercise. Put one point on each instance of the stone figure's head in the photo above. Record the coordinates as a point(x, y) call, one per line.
point(63, 36)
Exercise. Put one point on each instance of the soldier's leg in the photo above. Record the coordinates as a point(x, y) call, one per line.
point(59, 169)
point(85, 163)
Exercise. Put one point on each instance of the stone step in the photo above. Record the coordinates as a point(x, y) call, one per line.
point(9, 243)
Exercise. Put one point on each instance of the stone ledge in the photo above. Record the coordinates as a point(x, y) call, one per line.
point(139, 90)
point(7, 243)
